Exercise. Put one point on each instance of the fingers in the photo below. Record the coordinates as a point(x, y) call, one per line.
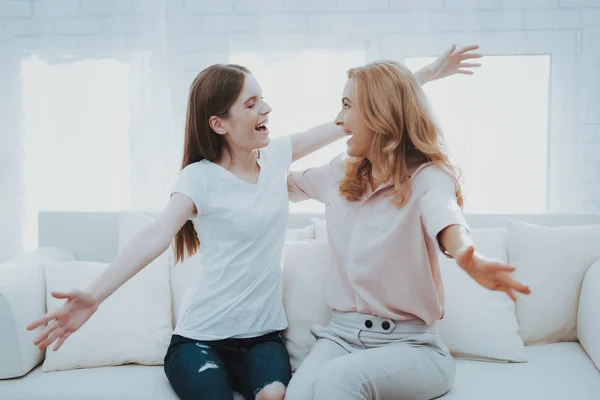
point(464, 72)
point(510, 294)
point(497, 267)
point(506, 282)
point(61, 341)
point(53, 336)
point(468, 48)
point(45, 333)
point(519, 287)
point(63, 295)
point(47, 318)
point(470, 56)
point(449, 51)
point(469, 65)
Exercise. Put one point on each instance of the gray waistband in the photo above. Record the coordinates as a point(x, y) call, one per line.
point(383, 325)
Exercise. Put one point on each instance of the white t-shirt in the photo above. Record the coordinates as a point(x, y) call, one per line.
point(241, 228)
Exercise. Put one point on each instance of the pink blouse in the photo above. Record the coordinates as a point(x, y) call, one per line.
point(384, 258)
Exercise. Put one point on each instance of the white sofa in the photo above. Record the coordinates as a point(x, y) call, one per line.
point(565, 370)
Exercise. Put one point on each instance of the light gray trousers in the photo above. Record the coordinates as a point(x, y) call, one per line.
point(359, 356)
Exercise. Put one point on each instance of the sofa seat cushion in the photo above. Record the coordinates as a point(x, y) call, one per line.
point(131, 382)
point(554, 371)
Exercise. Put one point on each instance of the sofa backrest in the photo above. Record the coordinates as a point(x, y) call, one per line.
point(93, 236)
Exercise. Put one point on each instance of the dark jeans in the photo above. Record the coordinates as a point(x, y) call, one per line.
point(214, 369)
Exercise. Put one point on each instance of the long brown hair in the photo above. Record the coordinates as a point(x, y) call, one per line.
point(392, 104)
point(212, 92)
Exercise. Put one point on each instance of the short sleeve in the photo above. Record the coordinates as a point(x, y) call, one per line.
point(439, 206)
point(191, 183)
point(312, 183)
point(279, 150)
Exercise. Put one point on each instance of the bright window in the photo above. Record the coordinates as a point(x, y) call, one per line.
point(304, 89)
point(496, 125)
point(76, 119)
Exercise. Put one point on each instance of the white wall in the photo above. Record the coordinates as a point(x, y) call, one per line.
point(203, 32)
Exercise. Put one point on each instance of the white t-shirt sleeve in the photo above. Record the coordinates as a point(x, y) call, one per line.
point(280, 152)
point(191, 183)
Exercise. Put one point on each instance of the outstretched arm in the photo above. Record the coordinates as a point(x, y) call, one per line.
point(450, 63)
point(315, 138)
point(491, 274)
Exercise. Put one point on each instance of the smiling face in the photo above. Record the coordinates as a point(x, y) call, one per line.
point(245, 127)
point(361, 137)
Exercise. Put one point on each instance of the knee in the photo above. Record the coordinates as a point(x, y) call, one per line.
point(273, 391)
point(335, 379)
point(299, 389)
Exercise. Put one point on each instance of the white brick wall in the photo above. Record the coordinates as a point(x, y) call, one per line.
point(579, 3)
point(201, 32)
point(208, 6)
point(409, 5)
point(529, 4)
point(309, 5)
point(472, 4)
point(279, 23)
point(591, 17)
point(55, 8)
point(15, 9)
point(361, 5)
point(552, 19)
point(227, 23)
point(77, 25)
point(257, 6)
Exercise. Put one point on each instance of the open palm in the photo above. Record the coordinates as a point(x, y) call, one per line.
point(78, 308)
point(491, 274)
point(453, 62)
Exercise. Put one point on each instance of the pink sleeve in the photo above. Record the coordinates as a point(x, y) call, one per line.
point(439, 206)
point(312, 183)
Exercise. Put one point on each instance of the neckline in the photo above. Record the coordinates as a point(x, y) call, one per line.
point(237, 178)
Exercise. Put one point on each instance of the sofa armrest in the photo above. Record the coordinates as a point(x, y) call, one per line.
point(588, 321)
point(23, 300)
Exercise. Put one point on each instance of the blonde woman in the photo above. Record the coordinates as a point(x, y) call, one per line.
point(389, 206)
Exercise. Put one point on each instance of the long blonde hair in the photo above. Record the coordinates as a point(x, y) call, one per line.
point(393, 106)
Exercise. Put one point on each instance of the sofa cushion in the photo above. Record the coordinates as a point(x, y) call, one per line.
point(133, 325)
point(131, 382)
point(573, 377)
point(554, 371)
point(552, 261)
point(304, 270)
point(479, 323)
point(588, 323)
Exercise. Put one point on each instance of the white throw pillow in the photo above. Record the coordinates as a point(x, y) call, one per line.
point(304, 233)
point(181, 274)
point(133, 325)
point(304, 271)
point(320, 225)
point(552, 261)
point(479, 324)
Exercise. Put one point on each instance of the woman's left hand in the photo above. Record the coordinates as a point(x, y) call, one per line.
point(453, 62)
point(490, 274)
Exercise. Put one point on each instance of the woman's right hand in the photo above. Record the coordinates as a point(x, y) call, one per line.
point(78, 308)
